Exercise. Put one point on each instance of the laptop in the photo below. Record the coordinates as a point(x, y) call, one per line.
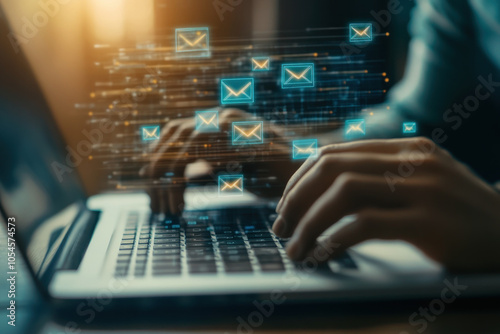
point(80, 247)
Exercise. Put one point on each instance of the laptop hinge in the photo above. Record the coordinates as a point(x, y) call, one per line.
point(78, 240)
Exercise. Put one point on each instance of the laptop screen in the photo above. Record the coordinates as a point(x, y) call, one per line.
point(31, 189)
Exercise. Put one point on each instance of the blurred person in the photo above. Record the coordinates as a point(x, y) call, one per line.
point(441, 206)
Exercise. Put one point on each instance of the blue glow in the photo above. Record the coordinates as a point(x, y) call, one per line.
point(230, 185)
point(260, 64)
point(409, 128)
point(150, 132)
point(305, 148)
point(237, 91)
point(360, 32)
point(297, 75)
point(248, 132)
point(192, 40)
point(207, 121)
point(355, 128)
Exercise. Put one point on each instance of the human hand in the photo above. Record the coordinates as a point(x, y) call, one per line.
point(442, 207)
point(180, 144)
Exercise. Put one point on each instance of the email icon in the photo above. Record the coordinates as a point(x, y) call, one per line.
point(355, 128)
point(150, 132)
point(249, 132)
point(230, 185)
point(235, 91)
point(306, 148)
point(297, 75)
point(192, 40)
point(409, 128)
point(207, 121)
point(360, 32)
point(261, 63)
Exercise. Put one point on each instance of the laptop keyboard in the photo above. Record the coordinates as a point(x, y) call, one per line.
point(201, 244)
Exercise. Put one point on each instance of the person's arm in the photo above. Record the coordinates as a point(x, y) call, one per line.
point(438, 68)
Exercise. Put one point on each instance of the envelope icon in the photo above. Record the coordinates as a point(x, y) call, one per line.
point(230, 185)
point(360, 32)
point(297, 75)
point(207, 121)
point(150, 132)
point(305, 148)
point(191, 40)
point(249, 132)
point(355, 128)
point(234, 91)
point(261, 63)
point(409, 128)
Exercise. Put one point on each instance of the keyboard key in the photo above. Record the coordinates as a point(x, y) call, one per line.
point(203, 269)
point(229, 237)
point(199, 252)
point(236, 258)
point(257, 231)
point(268, 267)
point(170, 251)
point(251, 236)
point(166, 235)
point(232, 247)
point(198, 235)
point(166, 271)
point(260, 240)
point(166, 258)
point(207, 245)
point(198, 239)
point(238, 268)
point(166, 246)
point(167, 241)
point(200, 258)
point(270, 259)
point(263, 245)
point(126, 247)
point(225, 252)
point(232, 242)
point(167, 265)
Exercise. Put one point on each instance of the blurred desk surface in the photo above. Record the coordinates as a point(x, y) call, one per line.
point(36, 316)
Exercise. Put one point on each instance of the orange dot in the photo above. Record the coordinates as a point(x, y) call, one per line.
point(386, 79)
point(91, 157)
point(385, 91)
point(126, 123)
point(92, 95)
point(387, 34)
point(91, 113)
point(371, 114)
point(388, 108)
point(315, 54)
point(366, 71)
point(110, 106)
point(384, 74)
point(324, 68)
point(195, 80)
